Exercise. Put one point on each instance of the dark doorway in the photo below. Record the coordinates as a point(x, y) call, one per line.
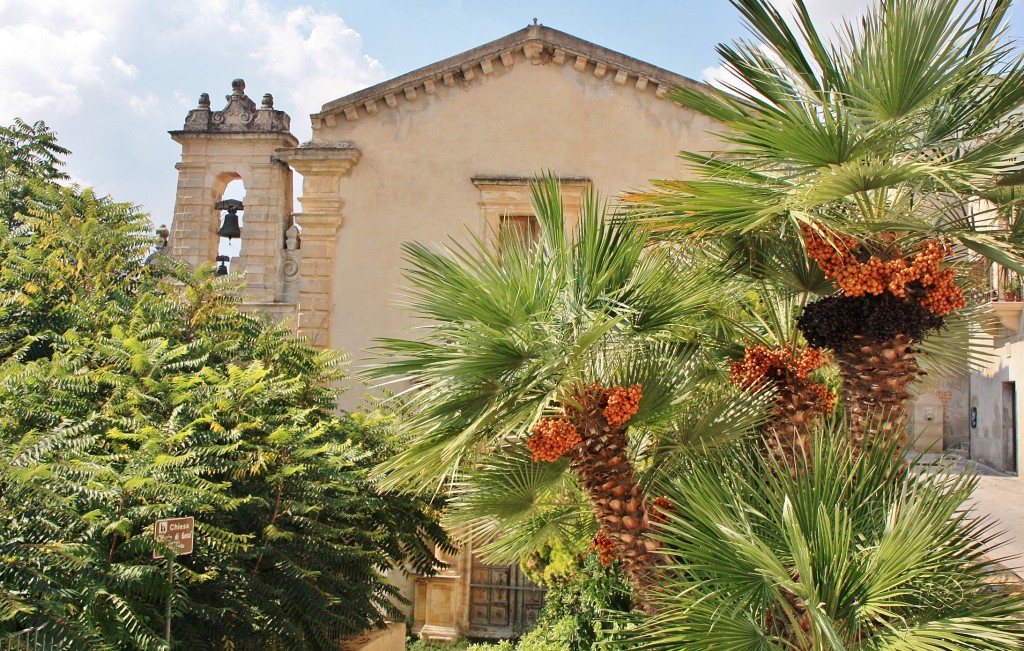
point(1009, 433)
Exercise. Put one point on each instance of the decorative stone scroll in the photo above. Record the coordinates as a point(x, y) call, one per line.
point(291, 266)
point(240, 114)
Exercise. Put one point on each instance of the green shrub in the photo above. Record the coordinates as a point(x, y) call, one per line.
point(578, 593)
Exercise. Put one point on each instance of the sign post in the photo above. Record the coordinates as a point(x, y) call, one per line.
point(176, 534)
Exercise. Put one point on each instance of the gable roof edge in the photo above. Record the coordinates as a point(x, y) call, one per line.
point(536, 43)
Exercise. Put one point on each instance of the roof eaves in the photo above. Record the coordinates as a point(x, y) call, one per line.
point(535, 42)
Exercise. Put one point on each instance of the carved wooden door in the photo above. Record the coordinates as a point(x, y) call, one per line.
point(503, 603)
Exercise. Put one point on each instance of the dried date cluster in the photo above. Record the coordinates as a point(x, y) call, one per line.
point(834, 322)
point(552, 437)
point(859, 273)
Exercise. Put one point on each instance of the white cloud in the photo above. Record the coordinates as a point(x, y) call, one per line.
point(143, 104)
point(112, 76)
point(304, 56)
point(827, 15)
point(125, 68)
point(50, 50)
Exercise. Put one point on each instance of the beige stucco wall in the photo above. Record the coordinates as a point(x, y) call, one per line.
point(992, 442)
point(413, 180)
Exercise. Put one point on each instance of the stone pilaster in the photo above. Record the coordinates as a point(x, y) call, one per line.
point(322, 167)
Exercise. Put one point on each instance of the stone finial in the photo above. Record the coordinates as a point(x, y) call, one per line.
point(240, 113)
point(291, 238)
point(162, 235)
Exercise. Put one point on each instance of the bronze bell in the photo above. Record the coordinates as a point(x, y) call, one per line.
point(230, 228)
point(222, 269)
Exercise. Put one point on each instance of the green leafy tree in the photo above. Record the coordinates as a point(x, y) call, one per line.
point(580, 592)
point(868, 152)
point(136, 392)
point(30, 162)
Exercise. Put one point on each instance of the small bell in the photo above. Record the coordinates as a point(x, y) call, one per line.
point(222, 269)
point(230, 228)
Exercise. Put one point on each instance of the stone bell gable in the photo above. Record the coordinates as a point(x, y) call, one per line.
point(238, 143)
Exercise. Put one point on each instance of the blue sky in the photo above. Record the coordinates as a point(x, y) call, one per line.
point(113, 76)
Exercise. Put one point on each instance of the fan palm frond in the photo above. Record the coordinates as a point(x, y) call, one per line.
point(847, 552)
point(511, 333)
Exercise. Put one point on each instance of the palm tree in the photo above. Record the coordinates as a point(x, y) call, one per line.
point(868, 151)
point(585, 348)
point(852, 552)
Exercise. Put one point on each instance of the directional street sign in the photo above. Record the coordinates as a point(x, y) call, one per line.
point(176, 533)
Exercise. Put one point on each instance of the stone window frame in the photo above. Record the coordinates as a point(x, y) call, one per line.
point(510, 196)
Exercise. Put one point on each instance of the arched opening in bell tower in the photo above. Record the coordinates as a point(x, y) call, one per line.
point(229, 208)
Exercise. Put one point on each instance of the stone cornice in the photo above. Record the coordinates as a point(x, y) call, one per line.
point(283, 137)
point(536, 44)
point(482, 181)
point(321, 158)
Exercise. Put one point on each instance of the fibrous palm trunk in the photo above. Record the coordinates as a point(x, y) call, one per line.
point(787, 434)
point(602, 464)
point(874, 339)
point(876, 379)
point(799, 399)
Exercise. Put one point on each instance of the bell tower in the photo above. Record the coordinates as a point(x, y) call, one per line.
point(218, 147)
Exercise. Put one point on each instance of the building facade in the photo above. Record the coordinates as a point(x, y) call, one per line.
point(444, 151)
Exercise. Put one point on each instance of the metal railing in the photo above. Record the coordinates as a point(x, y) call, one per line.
point(33, 639)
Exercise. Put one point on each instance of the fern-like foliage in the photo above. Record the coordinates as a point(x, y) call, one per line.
point(132, 393)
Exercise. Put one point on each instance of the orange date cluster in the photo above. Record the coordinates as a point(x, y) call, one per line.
point(919, 278)
point(659, 510)
point(552, 437)
point(622, 403)
point(604, 545)
point(776, 364)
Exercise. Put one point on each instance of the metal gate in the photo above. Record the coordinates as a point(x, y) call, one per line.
point(503, 603)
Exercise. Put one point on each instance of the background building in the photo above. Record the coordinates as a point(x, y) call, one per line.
point(446, 150)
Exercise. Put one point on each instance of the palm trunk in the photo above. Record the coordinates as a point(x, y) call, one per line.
point(799, 399)
point(608, 476)
point(591, 433)
point(876, 380)
point(787, 435)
